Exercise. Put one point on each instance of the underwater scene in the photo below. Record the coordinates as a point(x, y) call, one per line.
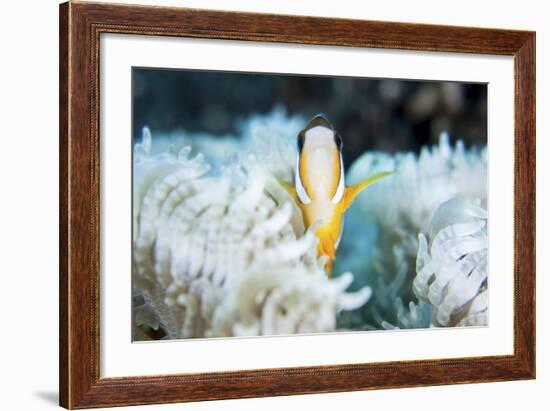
point(280, 204)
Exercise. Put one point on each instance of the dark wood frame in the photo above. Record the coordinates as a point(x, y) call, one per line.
point(80, 27)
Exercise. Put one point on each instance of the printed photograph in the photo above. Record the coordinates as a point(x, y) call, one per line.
point(281, 204)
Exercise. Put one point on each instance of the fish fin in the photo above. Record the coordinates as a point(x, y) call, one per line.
point(290, 189)
point(353, 191)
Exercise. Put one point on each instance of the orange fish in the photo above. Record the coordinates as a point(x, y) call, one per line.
point(319, 189)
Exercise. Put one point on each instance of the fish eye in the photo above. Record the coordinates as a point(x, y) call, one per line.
point(338, 140)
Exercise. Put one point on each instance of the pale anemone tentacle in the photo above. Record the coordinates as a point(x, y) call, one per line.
point(226, 254)
point(408, 317)
point(452, 269)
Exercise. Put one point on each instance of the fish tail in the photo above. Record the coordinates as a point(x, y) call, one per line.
point(353, 191)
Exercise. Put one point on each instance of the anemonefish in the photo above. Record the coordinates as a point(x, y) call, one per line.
point(319, 189)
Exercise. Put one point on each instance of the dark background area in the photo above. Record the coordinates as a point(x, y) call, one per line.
point(371, 114)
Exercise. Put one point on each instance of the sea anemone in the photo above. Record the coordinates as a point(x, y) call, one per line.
point(220, 249)
point(404, 204)
point(225, 254)
point(382, 238)
point(452, 268)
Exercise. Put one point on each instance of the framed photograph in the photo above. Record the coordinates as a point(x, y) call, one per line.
point(258, 205)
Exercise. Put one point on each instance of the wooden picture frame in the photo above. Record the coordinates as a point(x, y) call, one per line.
point(80, 27)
